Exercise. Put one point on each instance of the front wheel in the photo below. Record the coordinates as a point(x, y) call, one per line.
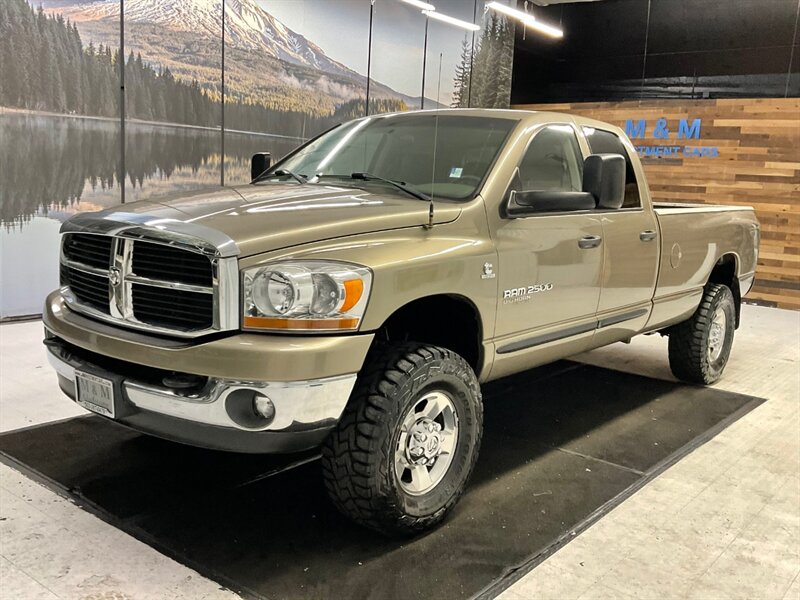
point(408, 440)
point(700, 346)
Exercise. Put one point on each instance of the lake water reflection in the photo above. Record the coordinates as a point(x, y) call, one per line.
point(54, 166)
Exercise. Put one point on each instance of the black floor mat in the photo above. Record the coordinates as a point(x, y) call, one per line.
point(562, 445)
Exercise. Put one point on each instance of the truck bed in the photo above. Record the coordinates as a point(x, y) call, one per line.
point(666, 208)
point(690, 247)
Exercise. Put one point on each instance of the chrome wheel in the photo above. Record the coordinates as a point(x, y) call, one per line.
point(428, 437)
point(716, 334)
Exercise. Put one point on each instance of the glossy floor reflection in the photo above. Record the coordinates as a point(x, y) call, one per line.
point(561, 442)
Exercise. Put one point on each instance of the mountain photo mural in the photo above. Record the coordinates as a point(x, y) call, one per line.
point(267, 64)
point(292, 69)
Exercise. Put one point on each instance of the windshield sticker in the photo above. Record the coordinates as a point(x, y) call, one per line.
point(455, 172)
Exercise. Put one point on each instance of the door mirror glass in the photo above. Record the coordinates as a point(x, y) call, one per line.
point(605, 142)
point(604, 178)
point(260, 162)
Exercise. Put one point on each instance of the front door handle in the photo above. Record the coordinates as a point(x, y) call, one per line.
point(647, 236)
point(589, 241)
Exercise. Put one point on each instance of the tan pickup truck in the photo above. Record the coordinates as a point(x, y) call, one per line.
point(358, 292)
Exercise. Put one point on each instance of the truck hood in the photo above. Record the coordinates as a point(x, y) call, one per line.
point(271, 216)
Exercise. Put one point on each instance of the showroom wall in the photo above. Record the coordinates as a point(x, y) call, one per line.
point(71, 141)
point(709, 93)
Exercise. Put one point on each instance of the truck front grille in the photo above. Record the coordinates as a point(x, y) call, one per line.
point(91, 290)
point(140, 283)
point(92, 250)
point(172, 308)
point(171, 264)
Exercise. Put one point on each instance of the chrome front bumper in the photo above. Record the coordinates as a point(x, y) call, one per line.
point(218, 415)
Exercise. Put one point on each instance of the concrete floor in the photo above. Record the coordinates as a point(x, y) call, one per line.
point(722, 523)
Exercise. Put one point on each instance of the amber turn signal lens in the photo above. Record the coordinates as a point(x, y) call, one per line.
point(353, 288)
point(294, 324)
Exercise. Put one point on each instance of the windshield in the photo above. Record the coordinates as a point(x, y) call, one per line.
point(444, 156)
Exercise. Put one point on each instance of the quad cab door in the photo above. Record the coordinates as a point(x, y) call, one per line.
point(631, 249)
point(550, 264)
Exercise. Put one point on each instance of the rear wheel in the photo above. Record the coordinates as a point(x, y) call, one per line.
point(699, 347)
point(405, 447)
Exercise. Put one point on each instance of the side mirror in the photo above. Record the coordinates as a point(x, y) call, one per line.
point(604, 178)
point(534, 202)
point(259, 163)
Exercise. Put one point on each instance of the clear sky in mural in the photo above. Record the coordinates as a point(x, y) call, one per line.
point(340, 27)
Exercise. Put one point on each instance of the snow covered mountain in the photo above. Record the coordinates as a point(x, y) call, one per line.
point(247, 26)
point(267, 63)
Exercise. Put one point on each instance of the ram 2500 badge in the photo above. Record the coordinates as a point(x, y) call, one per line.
point(358, 292)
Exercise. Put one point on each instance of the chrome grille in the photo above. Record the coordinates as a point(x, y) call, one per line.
point(158, 261)
point(161, 286)
point(89, 289)
point(172, 308)
point(92, 250)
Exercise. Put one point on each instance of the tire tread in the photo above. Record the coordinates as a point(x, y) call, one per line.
point(353, 458)
point(687, 353)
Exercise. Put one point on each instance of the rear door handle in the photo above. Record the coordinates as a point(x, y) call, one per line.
point(647, 236)
point(589, 241)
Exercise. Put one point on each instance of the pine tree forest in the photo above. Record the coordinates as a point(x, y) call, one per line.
point(46, 67)
point(483, 77)
point(50, 164)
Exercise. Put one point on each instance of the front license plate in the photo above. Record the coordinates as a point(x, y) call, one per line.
point(95, 393)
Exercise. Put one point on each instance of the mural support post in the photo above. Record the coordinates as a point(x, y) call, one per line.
point(424, 61)
point(439, 84)
point(222, 103)
point(122, 100)
point(369, 56)
point(472, 55)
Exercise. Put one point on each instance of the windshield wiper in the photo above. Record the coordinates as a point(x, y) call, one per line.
point(400, 185)
point(281, 173)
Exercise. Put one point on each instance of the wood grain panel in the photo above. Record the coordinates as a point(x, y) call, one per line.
point(758, 165)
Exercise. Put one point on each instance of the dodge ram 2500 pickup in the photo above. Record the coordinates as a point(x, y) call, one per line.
point(359, 291)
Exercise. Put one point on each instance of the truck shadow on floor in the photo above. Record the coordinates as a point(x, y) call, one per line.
point(560, 442)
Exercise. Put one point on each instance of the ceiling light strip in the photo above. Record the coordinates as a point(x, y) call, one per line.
point(527, 19)
point(420, 5)
point(451, 20)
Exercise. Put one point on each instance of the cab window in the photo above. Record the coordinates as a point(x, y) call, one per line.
point(552, 162)
point(602, 142)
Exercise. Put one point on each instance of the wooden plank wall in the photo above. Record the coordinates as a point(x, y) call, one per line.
point(758, 165)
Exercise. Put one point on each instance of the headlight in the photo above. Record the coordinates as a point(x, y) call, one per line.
point(305, 295)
